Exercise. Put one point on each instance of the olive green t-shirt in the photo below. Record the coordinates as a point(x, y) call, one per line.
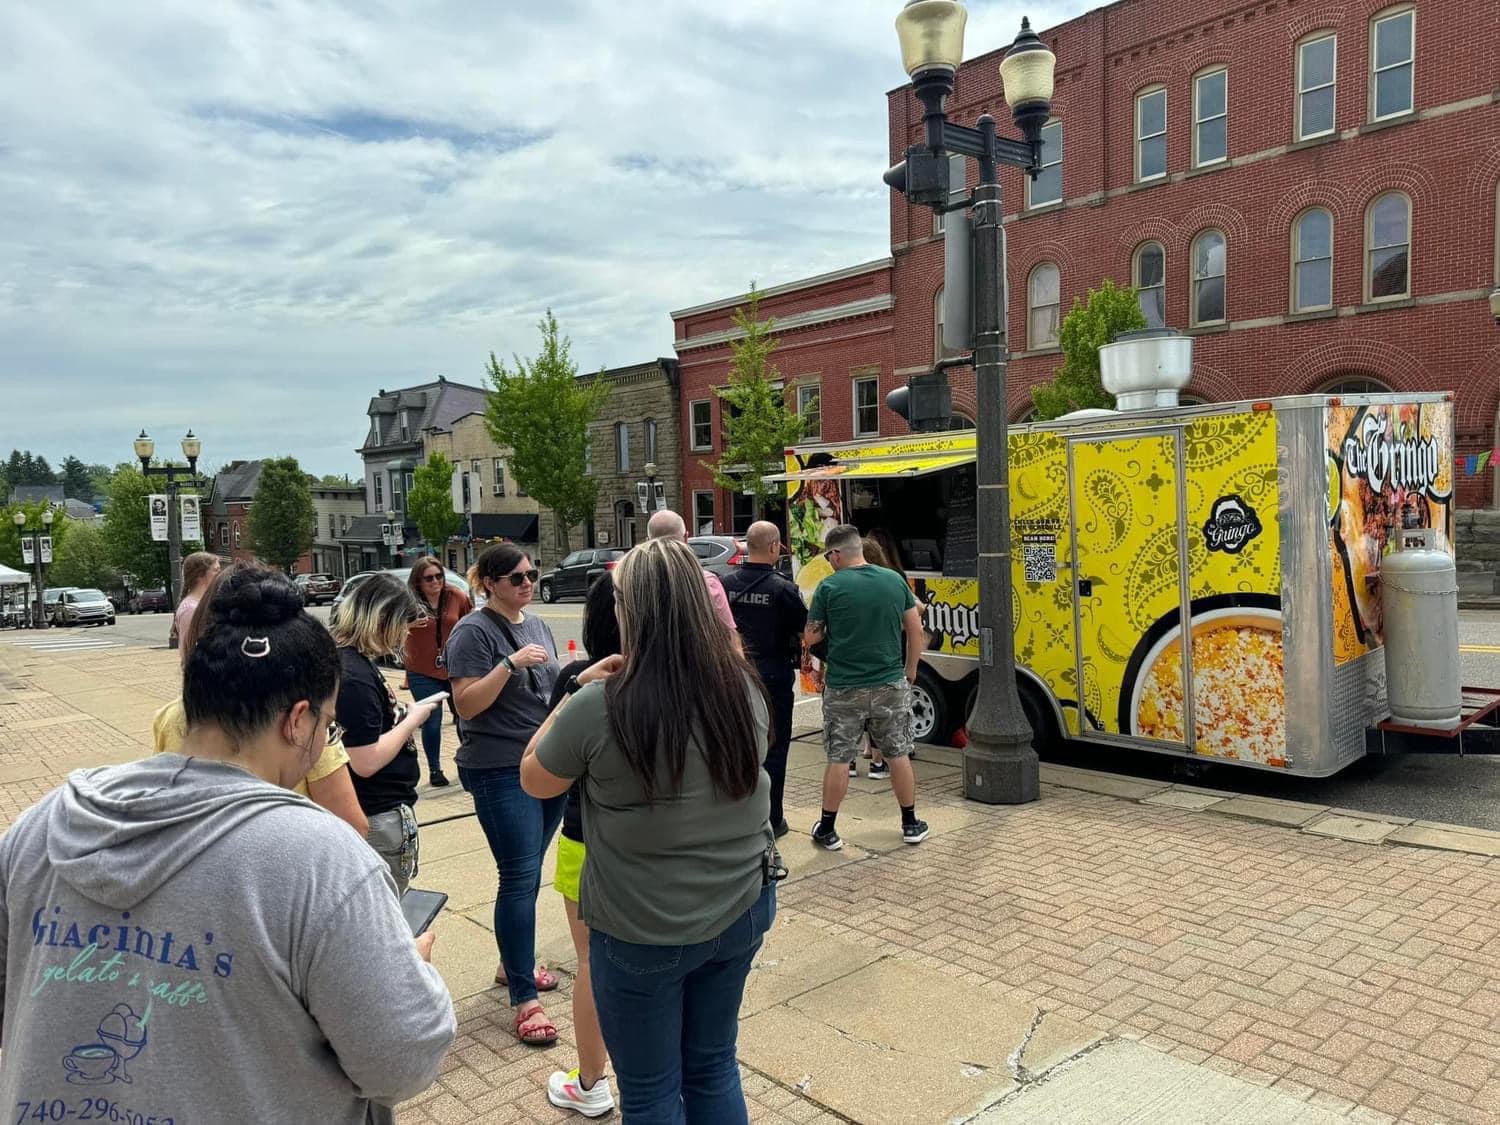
point(861, 607)
point(676, 872)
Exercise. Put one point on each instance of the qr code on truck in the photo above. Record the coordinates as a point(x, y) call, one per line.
point(1039, 557)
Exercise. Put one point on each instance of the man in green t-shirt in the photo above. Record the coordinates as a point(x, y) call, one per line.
point(863, 612)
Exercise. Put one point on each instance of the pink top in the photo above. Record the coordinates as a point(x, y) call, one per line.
point(184, 615)
point(721, 602)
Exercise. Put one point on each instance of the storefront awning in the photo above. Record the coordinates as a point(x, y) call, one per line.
point(911, 465)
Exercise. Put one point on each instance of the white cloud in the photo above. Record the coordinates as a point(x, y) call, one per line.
point(248, 217)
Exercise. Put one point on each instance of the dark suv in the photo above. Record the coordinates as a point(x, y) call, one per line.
point(576, 573)
point(150, 601)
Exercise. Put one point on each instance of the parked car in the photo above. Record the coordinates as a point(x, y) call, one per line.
point(52, 600)
point(577, 572)
point(150, 601)
point(85, 607)
point(718, 553)
point(400, 574)
point(317, 588)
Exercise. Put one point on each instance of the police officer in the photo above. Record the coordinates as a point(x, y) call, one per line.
point(771, 616)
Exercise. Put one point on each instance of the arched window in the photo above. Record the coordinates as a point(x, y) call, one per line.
point(622, 446)
point(1355, 385)
point(1387, 248)
point(1043, 302)
point(1312, 261)
point(1149, 274)
point(1027, 414)
point(1209, 278)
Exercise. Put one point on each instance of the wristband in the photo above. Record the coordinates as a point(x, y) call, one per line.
point(508, 662)
point(573, 685)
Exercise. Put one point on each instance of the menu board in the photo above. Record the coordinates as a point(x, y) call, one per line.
point(961, 535)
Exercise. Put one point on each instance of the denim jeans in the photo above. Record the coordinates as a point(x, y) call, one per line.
point(670, 1015)
point(432, 730)
point(519, 829)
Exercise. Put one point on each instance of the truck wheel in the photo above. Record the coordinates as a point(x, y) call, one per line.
point(1044, 733)
point(929, 707)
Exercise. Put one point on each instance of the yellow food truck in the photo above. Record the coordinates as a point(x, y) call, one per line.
point(1256, 529)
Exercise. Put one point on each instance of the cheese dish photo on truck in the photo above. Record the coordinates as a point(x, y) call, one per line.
point(1203, 581)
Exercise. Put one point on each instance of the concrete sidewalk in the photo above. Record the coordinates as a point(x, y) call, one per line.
point(1119, 951)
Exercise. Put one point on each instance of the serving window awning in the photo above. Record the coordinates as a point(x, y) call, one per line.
point(910, 465)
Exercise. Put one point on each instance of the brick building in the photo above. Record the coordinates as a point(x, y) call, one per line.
point(1308, 189)
point(484, 490)
point(226, 518)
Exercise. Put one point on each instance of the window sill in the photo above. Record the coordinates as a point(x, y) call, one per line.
point(1388, 123)
point(1314, 142)
point(1311, 314)
point(867, 434)
point(1205, 169)
point(1033, 353)
point(1154, 181)
point(701, 449)
point(1381, 306)
point(1042, 208)
point(1213, 329)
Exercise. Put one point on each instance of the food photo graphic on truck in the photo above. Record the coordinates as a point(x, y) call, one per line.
point(1202, 581)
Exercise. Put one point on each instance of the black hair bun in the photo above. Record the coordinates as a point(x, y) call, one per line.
point(255, 597)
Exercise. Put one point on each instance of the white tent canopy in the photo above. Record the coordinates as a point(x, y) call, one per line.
point(9, 577)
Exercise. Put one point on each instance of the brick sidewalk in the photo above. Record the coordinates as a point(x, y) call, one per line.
point(1361, 978)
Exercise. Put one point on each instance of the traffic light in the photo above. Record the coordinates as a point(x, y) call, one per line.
point(922, 177)
point(926, 402)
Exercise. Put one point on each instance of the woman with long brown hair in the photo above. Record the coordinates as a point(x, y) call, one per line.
point(678, 887)
point(426, 666)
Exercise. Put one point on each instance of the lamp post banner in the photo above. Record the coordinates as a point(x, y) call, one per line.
point(46, 542)
point(28, 555)
point(192, 524)
point(158, 505)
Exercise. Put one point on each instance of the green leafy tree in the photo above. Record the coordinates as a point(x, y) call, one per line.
point(127, 529)
point(1089, 325)
point(10, 536)
point(99, 478)
point(83, 560)
point(430, 504)
point(540, 410)
point(282, 515)
point(23, 468)
point(758, 424)
point(76, 482)
point(335, 480)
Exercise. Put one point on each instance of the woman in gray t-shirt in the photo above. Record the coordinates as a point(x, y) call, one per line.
point(676, 809)
point(502, 663)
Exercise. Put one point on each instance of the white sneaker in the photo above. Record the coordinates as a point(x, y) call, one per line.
point(565, 1090)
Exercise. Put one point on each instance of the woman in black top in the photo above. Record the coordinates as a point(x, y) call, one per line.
point(378, 732)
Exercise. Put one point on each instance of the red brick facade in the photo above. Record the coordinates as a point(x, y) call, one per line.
point(1444, 157)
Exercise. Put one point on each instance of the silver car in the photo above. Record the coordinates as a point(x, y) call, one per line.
point(85, 607)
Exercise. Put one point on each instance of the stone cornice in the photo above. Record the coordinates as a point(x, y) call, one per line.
point(813, 317)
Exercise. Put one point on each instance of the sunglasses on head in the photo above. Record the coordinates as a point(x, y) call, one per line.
point(521, 577)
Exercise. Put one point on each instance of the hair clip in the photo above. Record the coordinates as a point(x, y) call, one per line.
point(255, 647)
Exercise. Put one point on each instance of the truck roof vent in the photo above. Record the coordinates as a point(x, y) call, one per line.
point(1146, 369)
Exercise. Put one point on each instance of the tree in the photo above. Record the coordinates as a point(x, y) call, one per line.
point(1090, 324)
point(22, 468)
point(282, 515)
point(758, 425)
point(335, 480)
point(76, 482)
point(540, 410)
point(10, 536)
point(430, 503)
point(99, 478)
point(83, 560)
point(127, 530)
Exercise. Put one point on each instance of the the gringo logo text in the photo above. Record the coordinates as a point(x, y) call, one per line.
point(1393, 458)
point(957, 623)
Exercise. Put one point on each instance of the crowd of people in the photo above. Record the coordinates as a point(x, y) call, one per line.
point(197, 913)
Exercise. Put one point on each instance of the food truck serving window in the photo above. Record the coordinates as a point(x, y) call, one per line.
point(932, 519)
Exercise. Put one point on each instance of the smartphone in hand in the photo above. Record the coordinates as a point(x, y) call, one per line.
point(437, 697)
point(420, 908)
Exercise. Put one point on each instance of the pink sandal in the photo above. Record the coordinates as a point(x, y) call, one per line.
point(545, 981)
point(534, 1028)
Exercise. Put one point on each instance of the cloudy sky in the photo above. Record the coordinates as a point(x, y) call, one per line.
point(246, 217)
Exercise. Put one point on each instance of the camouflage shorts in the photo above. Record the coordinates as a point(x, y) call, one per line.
point(883, 712)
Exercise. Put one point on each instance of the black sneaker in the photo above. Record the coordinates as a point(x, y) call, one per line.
point(439, 779)
point(782, 829)
point(853, 769)
point(879, 771)
point(913, 833)
point(829, 840)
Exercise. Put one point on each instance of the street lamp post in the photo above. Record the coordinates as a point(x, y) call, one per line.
point(1000, 765)
point(192, 447)
point(38, 574)
point(393, 535)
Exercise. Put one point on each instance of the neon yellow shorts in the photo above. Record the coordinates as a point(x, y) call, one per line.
point(570, 855)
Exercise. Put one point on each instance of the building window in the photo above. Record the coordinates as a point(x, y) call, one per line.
point(499, 485)
point(651, 440)
point(343, 523)
point(1042, 307)
point(1149, 272)
point(223, 535)
point(588, 458)
point(703, 513)
point(743, 512)
point(1356, 385)
point(405, 426)
point(1387, 247)
point(333, 526)
point(1150, 135)
point(810, 408)
point(474, 467)
point(1048, 185)
point(379, 491)
point(1208, 278)
point(1393, 40)
point(701, 418)
point(1210, 118)
point(1312, 261)
point(866, 406)
point(1317, 79)
point(236, 536)
point(622, 447)
point(407, 478)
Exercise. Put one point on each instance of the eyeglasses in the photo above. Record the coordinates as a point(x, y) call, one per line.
point(828, 554)
point(435, 576)
point(521, 577)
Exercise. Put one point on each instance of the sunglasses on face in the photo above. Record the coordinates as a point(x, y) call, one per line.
point(521, 577)
point(435, 576)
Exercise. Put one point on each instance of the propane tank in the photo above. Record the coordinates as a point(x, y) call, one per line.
point(1419, 594)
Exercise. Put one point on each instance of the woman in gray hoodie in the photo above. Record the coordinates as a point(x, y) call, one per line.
point(185, 939)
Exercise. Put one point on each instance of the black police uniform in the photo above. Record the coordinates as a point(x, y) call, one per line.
point(770, 613)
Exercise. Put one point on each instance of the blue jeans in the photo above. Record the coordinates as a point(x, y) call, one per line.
point(519, 829)
point(432, 730)
point(670, 1016)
